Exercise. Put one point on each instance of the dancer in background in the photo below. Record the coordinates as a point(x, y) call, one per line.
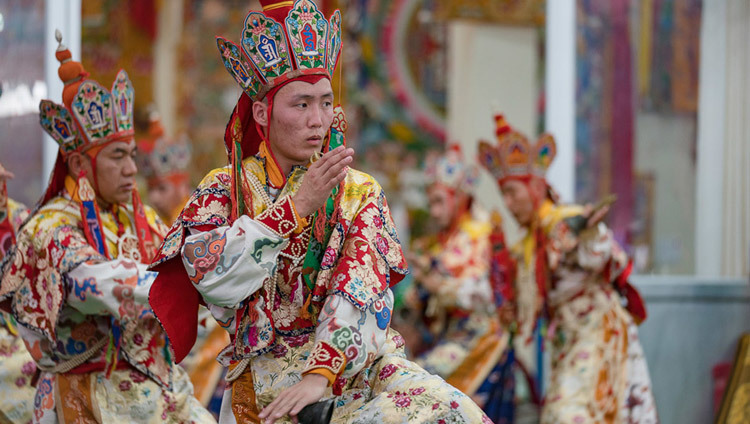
point(574, 273)
point(470, 348)
point(77, 283)
point(164, 163)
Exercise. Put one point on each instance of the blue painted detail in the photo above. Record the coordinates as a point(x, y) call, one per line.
point(81, 287)
point(383, 318)
point(268, 50)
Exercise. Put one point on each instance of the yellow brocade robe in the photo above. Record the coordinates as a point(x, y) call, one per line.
point(599, 372)
point(249, 272)
point(470, 339)
point(66, 297)
point(17, 368)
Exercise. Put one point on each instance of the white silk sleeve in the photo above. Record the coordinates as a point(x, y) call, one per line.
point(229, 263)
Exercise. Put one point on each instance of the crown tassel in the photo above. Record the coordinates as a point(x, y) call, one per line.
point(501, 125)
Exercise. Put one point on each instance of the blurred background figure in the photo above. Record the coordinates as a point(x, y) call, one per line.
point(163, 162)
point(452, 296)
point(574, 275)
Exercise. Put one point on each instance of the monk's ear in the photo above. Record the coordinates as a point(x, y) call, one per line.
point(260, 113)
point(76, 163)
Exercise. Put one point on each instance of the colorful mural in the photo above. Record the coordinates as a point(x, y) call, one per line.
point(636, 77)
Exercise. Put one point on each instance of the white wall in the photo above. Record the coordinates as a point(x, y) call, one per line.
point(709, 197)
point(166, 49)
point(560, 86)
point(736, 165)
point(663, 149)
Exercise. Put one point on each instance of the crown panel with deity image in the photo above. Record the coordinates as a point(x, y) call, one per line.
point(95, 116)
point(58, 122)
point(264, 43)
point(307, 30)
point(123, 95)
point(334, 44)
point(272, 52)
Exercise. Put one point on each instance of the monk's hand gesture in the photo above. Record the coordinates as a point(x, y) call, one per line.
point(291, 400)
point(322, 176)
point(594, 216)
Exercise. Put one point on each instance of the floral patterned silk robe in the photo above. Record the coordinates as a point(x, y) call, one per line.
point(470, 339)
point(69, 300)
point(17, 368)
point(249, 273)
point(599, 372)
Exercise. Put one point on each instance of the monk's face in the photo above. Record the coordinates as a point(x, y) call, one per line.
point(443, 204)
point(112, 172)
point(301, 116)
point(115, 172)
point(519, 200)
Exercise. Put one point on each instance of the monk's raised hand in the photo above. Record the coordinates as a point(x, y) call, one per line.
point(322, 176)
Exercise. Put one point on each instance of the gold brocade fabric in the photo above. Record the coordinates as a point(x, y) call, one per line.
point(598, 369)
point(73, 399)
point(735, 407)
point(127, 396)
point(480, 361)
point(244, 406)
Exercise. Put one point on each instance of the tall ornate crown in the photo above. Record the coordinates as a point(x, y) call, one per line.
point(159, 156)
point(90, 115)
point(514, 155)
point(451, 170)
point(302, 43)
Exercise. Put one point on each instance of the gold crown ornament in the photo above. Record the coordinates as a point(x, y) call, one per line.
point(287, 40)
point(451, 170)
point(514, 156)
point(90, 115)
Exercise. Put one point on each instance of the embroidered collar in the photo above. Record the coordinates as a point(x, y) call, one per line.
point(275, 178)
point(72, 188)
point(111, 219)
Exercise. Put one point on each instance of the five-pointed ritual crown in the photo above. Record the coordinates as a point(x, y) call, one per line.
point(451, 170)
point(90, 115)
point(284, 42)
point(514, 155)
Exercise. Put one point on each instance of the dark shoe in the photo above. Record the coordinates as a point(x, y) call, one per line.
point(316, 413)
